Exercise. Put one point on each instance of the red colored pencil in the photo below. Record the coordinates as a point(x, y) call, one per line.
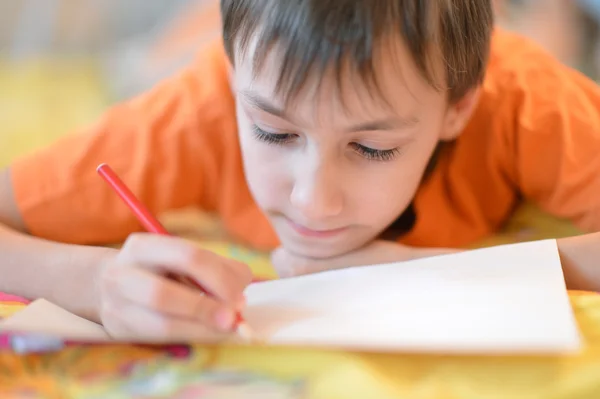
point(140, 211)
point(151, 224)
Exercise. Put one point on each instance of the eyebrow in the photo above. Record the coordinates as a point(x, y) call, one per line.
point(383, 124)
point(264, 105)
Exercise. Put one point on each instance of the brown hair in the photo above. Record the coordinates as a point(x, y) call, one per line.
point(317, 34)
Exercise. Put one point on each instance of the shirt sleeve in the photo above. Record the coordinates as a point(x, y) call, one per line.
point(166, 145)
point(535, 134)
point(556, 140)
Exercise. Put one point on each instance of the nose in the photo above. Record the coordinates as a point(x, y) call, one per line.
point(317, 192)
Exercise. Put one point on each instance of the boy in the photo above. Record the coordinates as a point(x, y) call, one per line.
point(341, 132)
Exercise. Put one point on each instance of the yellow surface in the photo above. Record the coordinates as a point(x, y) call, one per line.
point(8, 308)
point(36, 110)
point(40, 101)
point(331, 374)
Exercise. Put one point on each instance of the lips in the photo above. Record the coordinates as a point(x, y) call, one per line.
point(315, 233)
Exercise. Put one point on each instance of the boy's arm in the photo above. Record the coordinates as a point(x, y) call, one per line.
point(287, 264)
point(30, 267)
point(580, 258)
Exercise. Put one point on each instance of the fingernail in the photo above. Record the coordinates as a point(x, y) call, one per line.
point(224, 319)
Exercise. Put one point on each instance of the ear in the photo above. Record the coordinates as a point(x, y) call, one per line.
point(458, 115)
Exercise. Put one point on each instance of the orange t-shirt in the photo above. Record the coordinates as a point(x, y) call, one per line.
point(535, 134)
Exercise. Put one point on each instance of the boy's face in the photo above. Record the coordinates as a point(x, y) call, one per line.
point(331, 173)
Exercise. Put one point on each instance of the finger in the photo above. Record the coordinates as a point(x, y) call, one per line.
point(133, 322)
point(245, 274)
point(239, 268)
point(212, 272)
point(162, 295)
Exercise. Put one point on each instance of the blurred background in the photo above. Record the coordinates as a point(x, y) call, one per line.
point(63, 62)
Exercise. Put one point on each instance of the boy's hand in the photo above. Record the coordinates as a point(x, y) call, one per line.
point(289, 265)
point(137, 301)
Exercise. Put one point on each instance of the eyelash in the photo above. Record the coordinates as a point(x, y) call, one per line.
point(370, 154)
point(271, 138)
point(376, 155)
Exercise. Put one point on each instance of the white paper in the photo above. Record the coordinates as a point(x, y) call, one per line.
point(506, 299)
point(497, 300)
point(45, 317)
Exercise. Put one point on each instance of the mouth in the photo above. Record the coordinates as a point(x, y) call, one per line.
point(315, 233)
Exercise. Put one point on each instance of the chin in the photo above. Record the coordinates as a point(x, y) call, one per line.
point(311, 246)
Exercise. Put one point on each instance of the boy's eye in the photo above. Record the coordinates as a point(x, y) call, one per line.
point(283, 138)
point(374, 154)
point(272, 138)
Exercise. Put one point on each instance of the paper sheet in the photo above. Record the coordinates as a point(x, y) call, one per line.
point(45, 317)
point(507, 299)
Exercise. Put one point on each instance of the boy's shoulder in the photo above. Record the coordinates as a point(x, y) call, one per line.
point(527, 86)
point(516, 61)
point(512, 42)
point(534, 134)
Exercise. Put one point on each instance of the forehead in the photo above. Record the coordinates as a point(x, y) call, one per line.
point(389, 82)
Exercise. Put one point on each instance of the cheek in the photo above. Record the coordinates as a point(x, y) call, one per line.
point(265, 170)
point(383, 191)
point(386, 192)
